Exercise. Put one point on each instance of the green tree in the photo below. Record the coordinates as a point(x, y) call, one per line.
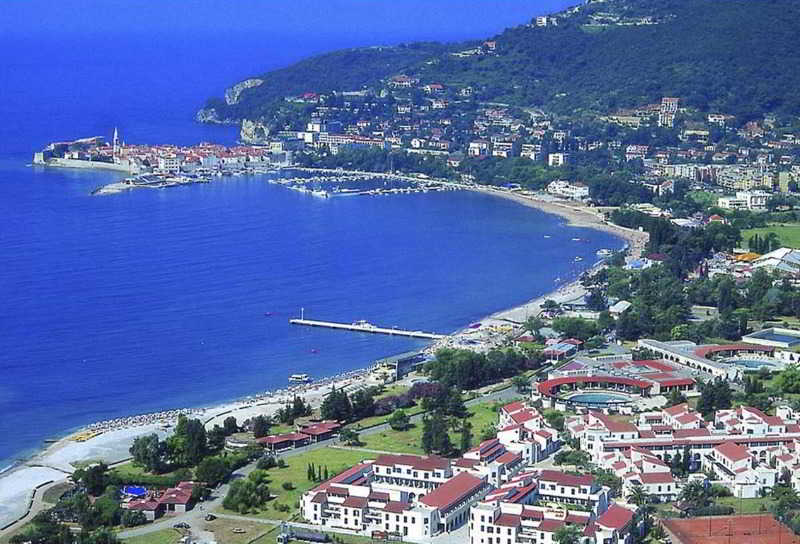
point(349, 437)
point(568, 534)
point(466, 435)
point(399, 420)
point(93, 478)
point(149, 453)
point(521, 384)
point(230, 425)
point(337, 406)
point(260, 427)
point(212, 470)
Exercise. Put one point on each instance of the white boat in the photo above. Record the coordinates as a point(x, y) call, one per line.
point(604, 252)
point(322, 194)
point(547, 236)
point(578, 259)
point(299, 378)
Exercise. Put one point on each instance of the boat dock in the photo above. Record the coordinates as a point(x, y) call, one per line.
point(363, 326)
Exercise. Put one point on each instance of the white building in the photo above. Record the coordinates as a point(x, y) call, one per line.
point(783, 260)
point(555, 160)
point(745, 200)
point(565, 189)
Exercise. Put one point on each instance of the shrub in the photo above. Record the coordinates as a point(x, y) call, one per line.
point(267, 462)
point(288, 486)
point(281, 463)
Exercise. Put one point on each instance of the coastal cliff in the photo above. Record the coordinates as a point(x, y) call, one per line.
point(232, 94)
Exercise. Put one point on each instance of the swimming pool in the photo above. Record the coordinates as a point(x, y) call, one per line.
point(751, 363)
point(134, 490)
point(599, 398)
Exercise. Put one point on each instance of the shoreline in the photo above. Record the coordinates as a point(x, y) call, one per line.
point(56, 461)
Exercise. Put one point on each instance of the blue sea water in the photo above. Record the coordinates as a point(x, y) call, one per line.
point(150, 300)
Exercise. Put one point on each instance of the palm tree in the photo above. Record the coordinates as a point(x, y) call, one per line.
point(641, 499)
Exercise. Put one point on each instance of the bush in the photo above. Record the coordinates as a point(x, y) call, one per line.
point(132, 518)
point(267, 462)
point(288, 486)
point(719, 490)
point(714, 510)
point(281, 463)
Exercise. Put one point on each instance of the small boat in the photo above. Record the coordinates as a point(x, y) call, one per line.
point(547, 236)
point(578, 259)
point(576, 239)
point(267, 314)
point(299, 378)
point(604, 252)
point(314, 350)
point(475, 326)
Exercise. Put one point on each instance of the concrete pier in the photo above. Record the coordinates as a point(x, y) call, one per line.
point(363, 326)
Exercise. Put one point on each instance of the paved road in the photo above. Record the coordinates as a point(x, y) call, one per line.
point(195, 517)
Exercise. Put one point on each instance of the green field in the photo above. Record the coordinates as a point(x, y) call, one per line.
point(789, 234)
point(164, 536)
point(337, 460)
point(409, 441)
point(745, 506)
point(129, 471)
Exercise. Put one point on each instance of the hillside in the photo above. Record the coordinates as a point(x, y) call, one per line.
point(734, 56)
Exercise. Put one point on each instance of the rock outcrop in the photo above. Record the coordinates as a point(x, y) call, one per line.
point(233, 93)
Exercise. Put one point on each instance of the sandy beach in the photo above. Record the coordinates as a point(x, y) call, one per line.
point(109, 441)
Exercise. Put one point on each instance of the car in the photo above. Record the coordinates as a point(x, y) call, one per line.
point(181, 525)
point(210, 517)
point(238, 530)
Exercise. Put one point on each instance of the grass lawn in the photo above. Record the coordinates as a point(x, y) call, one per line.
point(335, 459)
point(377, 420)
point(745, 506)
point(52, 495)
point(164, 536)
point(129, 471)
point(409, 441)
point(706, 198)
point(789, 234)
point(253, 531)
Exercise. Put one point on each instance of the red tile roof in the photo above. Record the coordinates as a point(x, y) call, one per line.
point(733, 451)
point(508, 520)
point(563, 478)
point(550, 525)
point(677, 409)
point(616, 517)
point(453, 491)
point(355, 502)
point(281, 438)
point(323, 427)
point(656, 478)
point(414, 461)
point(687, 433)
point(396, 507)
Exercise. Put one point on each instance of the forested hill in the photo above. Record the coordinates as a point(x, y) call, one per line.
point(733, 56)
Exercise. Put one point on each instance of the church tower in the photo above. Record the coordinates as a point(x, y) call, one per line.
point(115, 143)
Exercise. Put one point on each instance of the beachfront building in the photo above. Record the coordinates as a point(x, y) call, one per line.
point(565, 189)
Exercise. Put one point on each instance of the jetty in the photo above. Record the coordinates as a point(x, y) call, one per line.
point(363, 326)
